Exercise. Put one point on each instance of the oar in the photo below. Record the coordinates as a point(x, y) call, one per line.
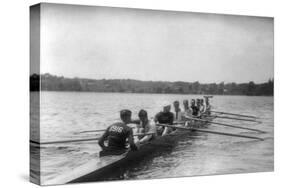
point(208, 96)
point(234, 114)
point(93, 131)
point(64, 141)
point(79, 140)
point(97, 130)
point(241, 119)
point(226, 125)
point(208, 131)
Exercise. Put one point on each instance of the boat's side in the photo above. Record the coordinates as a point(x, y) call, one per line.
point(114, 169)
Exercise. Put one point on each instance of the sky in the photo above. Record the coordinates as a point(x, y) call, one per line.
point(119, 43)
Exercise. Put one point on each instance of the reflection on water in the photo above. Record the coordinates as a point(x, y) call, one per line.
point(65, 114)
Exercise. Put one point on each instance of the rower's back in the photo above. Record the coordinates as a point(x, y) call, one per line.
point(165, 118)
point(117, 135)
point(195, 110)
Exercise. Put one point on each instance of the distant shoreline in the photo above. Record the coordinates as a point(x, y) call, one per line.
point(61, 84)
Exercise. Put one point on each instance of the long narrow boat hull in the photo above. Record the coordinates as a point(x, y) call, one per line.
point(116, 169)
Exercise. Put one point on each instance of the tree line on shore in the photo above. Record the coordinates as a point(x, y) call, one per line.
point(59, 83)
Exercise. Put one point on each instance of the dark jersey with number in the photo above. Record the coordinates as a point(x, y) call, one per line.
point(165, 118)
point(117, 135)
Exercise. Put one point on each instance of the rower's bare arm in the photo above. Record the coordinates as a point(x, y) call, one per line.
point(131, 141)
point(146, 138)
point(152, 130)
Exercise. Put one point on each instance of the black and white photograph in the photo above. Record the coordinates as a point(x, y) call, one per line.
point(134, 94)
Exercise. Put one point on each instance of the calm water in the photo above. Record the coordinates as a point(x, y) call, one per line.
point(65, 114)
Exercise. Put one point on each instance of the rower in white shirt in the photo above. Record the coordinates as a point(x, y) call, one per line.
point(208, 106)
point(145, 126)
point(187, 113)
point(202, 107)
point(178, 115)
point(187, 109)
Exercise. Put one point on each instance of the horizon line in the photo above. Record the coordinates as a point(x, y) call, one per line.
point(246, 82)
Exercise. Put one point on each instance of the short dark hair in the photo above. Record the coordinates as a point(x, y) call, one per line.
point(125, 113)
point(176, 102)
point(142, 113)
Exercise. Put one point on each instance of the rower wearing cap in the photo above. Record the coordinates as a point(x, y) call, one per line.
point(165, 117)
point(145, 126)
point(117, 135)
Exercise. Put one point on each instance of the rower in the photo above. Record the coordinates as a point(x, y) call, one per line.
point(198, 104)
point(165, 117)
point(187, 113)
point(146, 126)
point(187, 109)
point(208, 107)
point(195, 109)
point(202, 106)
point(179, 115)
point(117, 134)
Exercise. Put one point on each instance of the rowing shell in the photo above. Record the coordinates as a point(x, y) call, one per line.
point(113, 167)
